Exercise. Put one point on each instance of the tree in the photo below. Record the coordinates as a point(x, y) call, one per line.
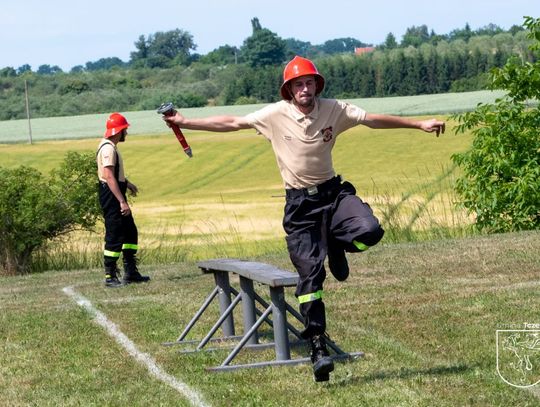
point(163, 49)
point(297, 47)
point(390, 42)
point(35, 209)
point(263, 47)
point(223, 55)
point(490, 29)
point(77, 69)
point(341, 45)
point(436, 38)
point(515, 29)
point(8, 72)
point(415, 36)
point(104, 64)
point(142, 49)
point(171, 44)
point(461, 33)
point(500, 184)
point(46, 69)
point(23, 69)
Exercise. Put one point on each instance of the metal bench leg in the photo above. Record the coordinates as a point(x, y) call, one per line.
point(219, 322)
point(246, 337)
point(198, 314)
point(248, 308)
point(279, 317)
point(291, 328)
point(222, 282)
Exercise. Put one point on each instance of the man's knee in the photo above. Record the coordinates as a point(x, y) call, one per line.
point(365, 240)
point(372, 237)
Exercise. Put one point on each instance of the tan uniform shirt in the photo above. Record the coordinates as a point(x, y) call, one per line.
point(106, 157)
point(303, 144)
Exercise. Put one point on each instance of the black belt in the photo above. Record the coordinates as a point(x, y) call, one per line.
point(326, 186)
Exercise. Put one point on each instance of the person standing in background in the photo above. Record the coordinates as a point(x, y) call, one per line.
point(121, 235)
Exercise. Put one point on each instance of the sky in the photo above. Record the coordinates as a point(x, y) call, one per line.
point(70, 33)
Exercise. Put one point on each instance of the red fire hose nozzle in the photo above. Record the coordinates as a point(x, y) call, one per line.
point(167, 109)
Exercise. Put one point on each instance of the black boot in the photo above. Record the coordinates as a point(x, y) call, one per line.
point(337, 262)
point(131, 273)
point(111, 276)
point(322, 362)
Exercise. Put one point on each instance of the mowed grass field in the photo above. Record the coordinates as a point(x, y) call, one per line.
point(424, 314)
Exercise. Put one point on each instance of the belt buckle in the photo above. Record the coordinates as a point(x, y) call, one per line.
point(312, 190)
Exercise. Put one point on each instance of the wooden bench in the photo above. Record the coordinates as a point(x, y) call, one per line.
point(249, 273)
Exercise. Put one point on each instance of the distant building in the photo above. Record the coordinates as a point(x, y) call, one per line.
point(363, 50)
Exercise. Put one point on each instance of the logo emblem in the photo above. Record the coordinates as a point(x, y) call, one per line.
point(518, 357)
point(327, 134)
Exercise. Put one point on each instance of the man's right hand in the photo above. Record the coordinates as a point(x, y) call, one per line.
point(124, 208)
point(175, 118)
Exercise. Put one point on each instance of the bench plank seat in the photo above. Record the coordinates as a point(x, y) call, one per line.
point(259, 272)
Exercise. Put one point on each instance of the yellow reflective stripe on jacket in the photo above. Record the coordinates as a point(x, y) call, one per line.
point(360, 246)
point(108, 253)
point(317, 295)
point(130, 246)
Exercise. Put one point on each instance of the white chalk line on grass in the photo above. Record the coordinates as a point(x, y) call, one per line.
point(143, 358)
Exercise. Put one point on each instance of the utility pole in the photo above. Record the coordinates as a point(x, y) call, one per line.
point(28, 111)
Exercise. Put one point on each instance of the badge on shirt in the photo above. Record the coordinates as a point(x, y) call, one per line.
point(327, 134)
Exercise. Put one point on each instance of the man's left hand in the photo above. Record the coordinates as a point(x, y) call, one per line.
point(433, 126)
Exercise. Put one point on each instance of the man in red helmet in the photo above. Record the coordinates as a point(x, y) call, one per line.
point(121, 235)
point(323, 216)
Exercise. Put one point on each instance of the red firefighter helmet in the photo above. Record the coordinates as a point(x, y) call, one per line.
point(115, 124)
point(297, 67)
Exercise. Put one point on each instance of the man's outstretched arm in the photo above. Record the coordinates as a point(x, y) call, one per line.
point(212, 123)
point(383, 121)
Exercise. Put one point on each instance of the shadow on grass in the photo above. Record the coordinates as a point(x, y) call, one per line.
point(405, 373)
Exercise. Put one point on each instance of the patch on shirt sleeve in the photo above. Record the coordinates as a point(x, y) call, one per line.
point(108, 156)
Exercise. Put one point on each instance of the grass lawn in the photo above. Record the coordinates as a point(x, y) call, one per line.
point(425, 314)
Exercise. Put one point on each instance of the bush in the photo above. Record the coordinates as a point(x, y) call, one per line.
point(501, 172)
point(155, 98)
point(246, 100)
point(75, 86)
point(35, 209)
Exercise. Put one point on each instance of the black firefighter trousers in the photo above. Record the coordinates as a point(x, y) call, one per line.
point(329, 214)
point(121, 234)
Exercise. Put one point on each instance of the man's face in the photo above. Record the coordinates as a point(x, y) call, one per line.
point(303, 90)
point(123, 136)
